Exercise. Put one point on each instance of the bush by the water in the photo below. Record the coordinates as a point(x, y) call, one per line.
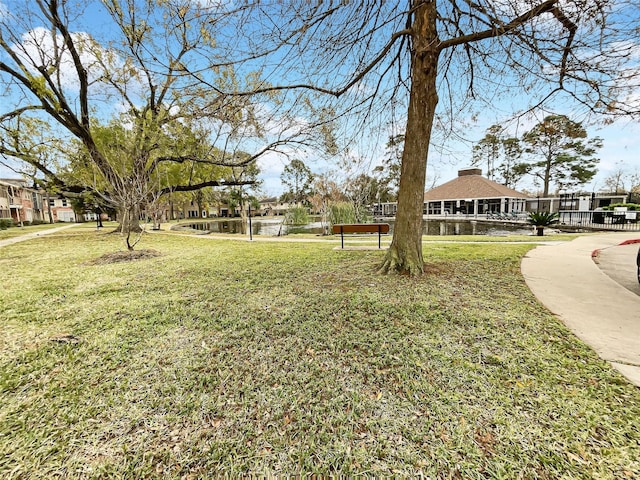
point(342, 212)
point(297, 216)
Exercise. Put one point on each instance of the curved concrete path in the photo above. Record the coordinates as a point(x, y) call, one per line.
point(29, 236)
point(599, 310)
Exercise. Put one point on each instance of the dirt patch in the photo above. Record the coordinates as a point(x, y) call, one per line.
point(438, 269)
point(119, 257)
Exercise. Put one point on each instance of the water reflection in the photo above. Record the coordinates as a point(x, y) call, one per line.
point(275, 227)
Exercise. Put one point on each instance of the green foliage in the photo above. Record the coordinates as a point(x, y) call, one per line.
point(498, 154)
point(542, 219)
point(630, 206)
point(342, 212)
point(560, 153)
point(6, 223)
point(296, 216)
point(163, 140)
point(298, 177)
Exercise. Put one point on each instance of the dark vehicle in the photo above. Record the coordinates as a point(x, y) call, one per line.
point(638, 264)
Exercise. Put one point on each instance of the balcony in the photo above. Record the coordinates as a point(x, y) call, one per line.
point(15, 202)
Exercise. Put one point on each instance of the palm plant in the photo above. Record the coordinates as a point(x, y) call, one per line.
point(541, 220)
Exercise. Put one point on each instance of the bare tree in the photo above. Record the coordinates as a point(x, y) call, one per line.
point(155, 61)
point(325, 193)
point(618, 179)
point(426, 63)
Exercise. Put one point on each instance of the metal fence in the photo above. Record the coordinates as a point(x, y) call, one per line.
point(602, 220)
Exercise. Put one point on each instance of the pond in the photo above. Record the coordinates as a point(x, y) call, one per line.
point(275, 227)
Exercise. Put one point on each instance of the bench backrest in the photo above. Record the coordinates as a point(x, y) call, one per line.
point(361, 228)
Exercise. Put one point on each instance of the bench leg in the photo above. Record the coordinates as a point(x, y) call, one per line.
point(341, 239)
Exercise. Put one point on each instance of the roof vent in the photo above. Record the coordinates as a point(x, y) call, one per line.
point(469, 171)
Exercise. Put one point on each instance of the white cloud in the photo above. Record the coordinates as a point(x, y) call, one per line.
point(272, 163)
point(279, 124)
point(39, 48)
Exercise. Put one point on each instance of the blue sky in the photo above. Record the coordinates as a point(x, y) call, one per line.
point(621, 140)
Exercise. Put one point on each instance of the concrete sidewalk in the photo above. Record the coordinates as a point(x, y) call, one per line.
point(29, 236)
point(601, 312)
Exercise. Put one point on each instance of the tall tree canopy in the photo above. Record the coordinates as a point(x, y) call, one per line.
point(298, 178)
point(499, 153)
point(560, 153)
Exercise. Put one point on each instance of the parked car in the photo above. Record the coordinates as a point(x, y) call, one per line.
point(638, 264)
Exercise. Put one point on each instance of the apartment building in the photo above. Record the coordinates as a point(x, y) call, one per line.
point(20, 202)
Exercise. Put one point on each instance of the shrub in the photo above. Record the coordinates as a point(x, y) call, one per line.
point(6, 223)
point(630, 206)
point(541, 220)
point(342, 212)
point(296, 216)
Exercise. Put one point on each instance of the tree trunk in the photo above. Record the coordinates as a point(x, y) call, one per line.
point(405, 252)
point(47, 199)
point(547, 177)
point(129, 227)
point(244, 223)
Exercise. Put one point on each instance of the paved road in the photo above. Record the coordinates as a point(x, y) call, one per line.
point(619, 263)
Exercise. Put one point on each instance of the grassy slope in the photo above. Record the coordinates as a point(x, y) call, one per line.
point(274, 358)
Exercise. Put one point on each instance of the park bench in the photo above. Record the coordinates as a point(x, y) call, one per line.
point(360, 228)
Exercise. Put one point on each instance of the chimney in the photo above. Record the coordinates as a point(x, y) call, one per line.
point(469, 171)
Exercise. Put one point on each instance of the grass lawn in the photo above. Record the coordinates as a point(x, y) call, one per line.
point(237, 358)
point(19, 231)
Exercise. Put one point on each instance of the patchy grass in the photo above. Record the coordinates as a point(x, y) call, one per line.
point(236, 358)
point(124, 256)
point(12, 232)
